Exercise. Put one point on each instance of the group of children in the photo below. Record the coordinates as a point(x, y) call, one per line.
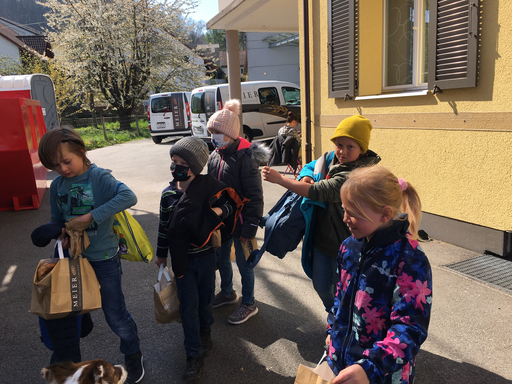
point(360, 246)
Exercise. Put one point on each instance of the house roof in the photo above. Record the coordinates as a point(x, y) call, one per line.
point(25, 38)
point(224, 59)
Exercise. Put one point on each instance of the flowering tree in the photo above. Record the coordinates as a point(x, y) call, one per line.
point(124, 48)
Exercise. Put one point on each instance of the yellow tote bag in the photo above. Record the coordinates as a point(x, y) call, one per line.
point(134, 245)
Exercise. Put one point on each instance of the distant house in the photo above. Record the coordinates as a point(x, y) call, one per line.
point(16, 38)
point(272, 56)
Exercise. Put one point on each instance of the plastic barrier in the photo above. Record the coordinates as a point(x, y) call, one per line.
point(22, 176)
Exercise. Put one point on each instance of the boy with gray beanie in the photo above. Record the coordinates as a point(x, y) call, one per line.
point(192, 208)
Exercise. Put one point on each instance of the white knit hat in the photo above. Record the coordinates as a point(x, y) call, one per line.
point(226, 120)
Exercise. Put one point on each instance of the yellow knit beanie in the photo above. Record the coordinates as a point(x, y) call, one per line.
point(357, 128)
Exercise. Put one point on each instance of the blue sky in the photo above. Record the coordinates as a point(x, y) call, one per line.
point(206, 10)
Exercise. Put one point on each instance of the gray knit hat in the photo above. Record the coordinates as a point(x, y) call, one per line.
point(193, 150)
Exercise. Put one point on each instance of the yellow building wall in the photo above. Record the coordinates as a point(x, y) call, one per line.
point(455, 147)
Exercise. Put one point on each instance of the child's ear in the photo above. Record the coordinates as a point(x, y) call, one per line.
point(387, 214)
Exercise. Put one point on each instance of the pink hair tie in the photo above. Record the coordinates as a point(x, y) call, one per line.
point(403, 184)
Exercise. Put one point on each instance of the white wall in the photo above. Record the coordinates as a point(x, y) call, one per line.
point(9, 49)
point(264, 63)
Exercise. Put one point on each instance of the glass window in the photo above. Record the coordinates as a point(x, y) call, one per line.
point(269, 96)
point(161, 105)
point(406, 43)
point(291, 95)
point(196, 102)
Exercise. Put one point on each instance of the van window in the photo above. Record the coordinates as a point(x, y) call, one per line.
point(291, 95)
point(196, 102)
point(161, 104)
point(269, 96)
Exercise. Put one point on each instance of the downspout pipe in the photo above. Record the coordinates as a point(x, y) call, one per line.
point(307, 85)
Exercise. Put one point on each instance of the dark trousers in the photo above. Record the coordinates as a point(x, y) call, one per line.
point(196, 291)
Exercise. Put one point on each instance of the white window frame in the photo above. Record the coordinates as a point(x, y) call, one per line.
point(418, 38)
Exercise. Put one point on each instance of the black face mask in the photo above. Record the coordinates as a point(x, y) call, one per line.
point(179, 172)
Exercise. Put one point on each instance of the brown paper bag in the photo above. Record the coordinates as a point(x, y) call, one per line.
point(77, 236)
point(249, 246)
point(167, 303)
point(70, 288)
point(322, 374)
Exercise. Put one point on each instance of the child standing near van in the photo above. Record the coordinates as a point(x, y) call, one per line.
point(186, 222)
point(235, 161)
point(320, 182)
point(383, 302)
point(92, 195)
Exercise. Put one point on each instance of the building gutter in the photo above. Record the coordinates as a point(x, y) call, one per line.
point(307, 85)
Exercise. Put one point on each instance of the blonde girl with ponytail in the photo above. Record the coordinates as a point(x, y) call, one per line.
point(383, 301)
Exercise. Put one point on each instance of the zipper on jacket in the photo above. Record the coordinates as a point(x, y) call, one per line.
point(220, 166)
point(352, 300)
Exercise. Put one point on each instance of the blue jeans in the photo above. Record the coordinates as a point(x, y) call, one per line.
point(324, 277)
point(226, 271)
point(195, 291)
point(118, 318)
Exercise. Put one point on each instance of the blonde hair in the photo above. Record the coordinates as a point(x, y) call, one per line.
point(377, 187)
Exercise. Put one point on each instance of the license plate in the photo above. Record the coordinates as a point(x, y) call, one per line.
point(160, 124)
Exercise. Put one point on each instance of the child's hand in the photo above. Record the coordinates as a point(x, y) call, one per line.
point(271, 175)
point(87, 218)
point(354, 374)
point(161, 260)
point(64, 239)
point(307, 179)
point(328, 340)
point(217, 210)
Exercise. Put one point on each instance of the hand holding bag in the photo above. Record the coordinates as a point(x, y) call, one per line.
point(167, 304)
point(322, 374)
point(69, 289)
point(134, 245)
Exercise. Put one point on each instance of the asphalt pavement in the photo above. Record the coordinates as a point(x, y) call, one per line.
point(470, 338)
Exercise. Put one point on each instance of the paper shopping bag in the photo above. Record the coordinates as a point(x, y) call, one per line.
point(77, 236)
point(167, 304)
point(70, 288)
point(322, 374)
point(134, 245)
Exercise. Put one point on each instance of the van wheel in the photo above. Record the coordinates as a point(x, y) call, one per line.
point(157, 139)
point(247, 134)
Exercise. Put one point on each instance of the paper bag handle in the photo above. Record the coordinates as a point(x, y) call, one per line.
point(163, 271)
point(58, 245)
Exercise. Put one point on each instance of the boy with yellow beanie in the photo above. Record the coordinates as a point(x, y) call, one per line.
point(320, 181)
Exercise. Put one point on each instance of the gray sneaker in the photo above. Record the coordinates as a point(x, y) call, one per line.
point(242, 314)
point(220, 299)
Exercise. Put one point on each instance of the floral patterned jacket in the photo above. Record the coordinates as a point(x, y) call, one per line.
point(382, 306)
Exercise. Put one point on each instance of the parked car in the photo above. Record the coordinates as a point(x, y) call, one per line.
point(169, 115)
point(265, 106)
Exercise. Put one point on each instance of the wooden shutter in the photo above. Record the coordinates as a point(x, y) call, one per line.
point(341, 48)
point(453, 44)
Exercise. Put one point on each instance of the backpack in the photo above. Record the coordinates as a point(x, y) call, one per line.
point(284, 228)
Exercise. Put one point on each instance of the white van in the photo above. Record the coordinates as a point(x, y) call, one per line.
point(265, 106)
point(169, 115)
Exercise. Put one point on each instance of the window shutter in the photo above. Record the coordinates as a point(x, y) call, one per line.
point(453, 40)
point(341, 48)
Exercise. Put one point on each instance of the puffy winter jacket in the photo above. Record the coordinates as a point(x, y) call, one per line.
point(238, 166)
point(382, 306)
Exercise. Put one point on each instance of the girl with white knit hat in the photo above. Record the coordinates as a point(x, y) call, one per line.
point(235, 161)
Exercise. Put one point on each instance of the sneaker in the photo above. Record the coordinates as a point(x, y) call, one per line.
point(194, 368)
point(206, 341)
point(243, 313)
point(135, 367)
point(220, 299)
